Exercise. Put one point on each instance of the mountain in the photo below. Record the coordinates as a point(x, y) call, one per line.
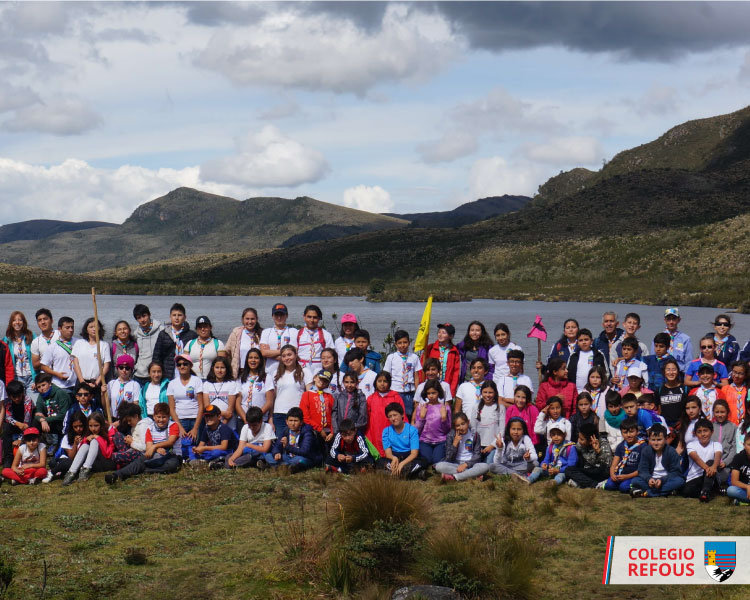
point(468, 213)
point(38, 229)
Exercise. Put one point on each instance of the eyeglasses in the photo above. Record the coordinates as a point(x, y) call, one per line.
point(722, 324)
point(124, 367)
point(83, 395)
point(707, 347)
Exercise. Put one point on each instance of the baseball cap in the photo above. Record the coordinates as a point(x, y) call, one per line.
point(30, 431)
point(706, 368)
point(183, 356)
point(449, 328)
point(672, 311)
point(125, 359)
point(555, 426)
point(348, 318)
point(212, 411)
point(202, 320)
point(279, 308)
point(324, 374)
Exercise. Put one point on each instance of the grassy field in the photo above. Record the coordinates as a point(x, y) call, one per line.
point(247, 534)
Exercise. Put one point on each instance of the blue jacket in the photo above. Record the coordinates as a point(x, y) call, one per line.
point(560, 350)
point(9, 342)
point(306, 444)
point(162, 396)
point(567, 457)
point(655, 375)
point(670, 460)
point(602, 343)
point(681, 350)
point(372, 361)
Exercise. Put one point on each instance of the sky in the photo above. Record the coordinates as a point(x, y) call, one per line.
point(384, 107)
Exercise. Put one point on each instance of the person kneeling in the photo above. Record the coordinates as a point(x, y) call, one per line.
point(463, 453)
point(349, 451)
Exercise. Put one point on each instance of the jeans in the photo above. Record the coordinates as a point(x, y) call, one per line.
point(622, 486)
point(305, 463)
point(738, 493)
point(448, 468)
point(668, 485)
point(207, 455)
point(408, 398)
point(186, 444)
point(158, 463)
point(432, 453)
point(538, 473)
point(279, 422)
point(489, 458)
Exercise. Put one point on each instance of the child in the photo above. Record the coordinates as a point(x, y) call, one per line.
point(705, 457)
point(628, 365)
point(524, 409)
point(273, 339)
point(659, 470)
point(561, 454)
point(185, 394)
point(645, 418)
point(631, 325)
point(94, 454)
point(124, 388)
point(123, 342)
point(431, 370)
point(349, 403)
point(355, 363)
point(217, 441)
point(252, 388)
point(498, 354)
point(613, 418)
point(317, 408)
point(707, 392)
point(153, 391)
point(552, 413)
point(447, 355)
point(655, 362)
point(255, 441)
point(372, 358)
point(689, 418)
point(329, 361)
point(345, 341)
point(740, 488)
point(507, 384)
point(469, 394)
point(597, 387)
point(650, 403)
point(627, 456)
point(433, 422)
point(672, 394)
point(78, 425)
point(594, 459)
point(463, 456)
point(725, 432)
point(19, 410)
point(296, 445)
point(285, 386)
point(30, 460)
point(635, 385)
point(312, 339)
point(736, 392)
point(349, 450)
point(707, 357)
point(51, 407)
point(404, 367)
point(585, 358)
point(400, 442)
point(488, 419)
point(515, 454)
point(377, 420)
point(85, 403)
point(221, 391)
point(583, 414)
point(556, 384)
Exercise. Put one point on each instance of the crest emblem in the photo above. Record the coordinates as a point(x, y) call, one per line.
point(720, 559)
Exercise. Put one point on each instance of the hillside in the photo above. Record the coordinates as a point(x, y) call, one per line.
point(468, 213)
point(38, 229)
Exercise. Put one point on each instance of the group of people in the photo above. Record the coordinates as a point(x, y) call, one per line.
point(611, 411)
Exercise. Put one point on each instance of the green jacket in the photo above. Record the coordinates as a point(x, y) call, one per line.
point(53, 407)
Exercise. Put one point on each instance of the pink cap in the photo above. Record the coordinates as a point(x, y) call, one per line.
point(349, 318)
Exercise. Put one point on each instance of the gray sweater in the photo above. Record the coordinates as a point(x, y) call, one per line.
point(451, 451)
point(725, 434)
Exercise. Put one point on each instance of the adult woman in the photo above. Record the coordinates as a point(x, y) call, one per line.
point(286, 384)
point(476, 344)
point(727, 348)
point(243, 338)
point(85, 361)
point(556, 384)
point(18, 337)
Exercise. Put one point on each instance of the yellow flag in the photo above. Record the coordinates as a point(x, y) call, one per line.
point(424, 327)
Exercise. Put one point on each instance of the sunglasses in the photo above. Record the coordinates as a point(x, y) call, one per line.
point(83, 395)
point(722, 324)
point(707, 347)
point(124, 368)
point(183, 364)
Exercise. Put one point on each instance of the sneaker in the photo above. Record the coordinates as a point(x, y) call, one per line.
point(295, 468)
point(48, 477)
point(216, 464)
point(423, 475)
point(704, 497)
point(85, 474)
point(447, 477)
point(13, 482)
point(572, 483)
point(722, 491)
point(601, 484)
point(69, 478)
point(110, 478)
point(33, 481)
point(520, 478)
point(638, 493)
point(261, 464)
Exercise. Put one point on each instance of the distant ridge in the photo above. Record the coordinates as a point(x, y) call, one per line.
point(471, 212)
point(38, 229)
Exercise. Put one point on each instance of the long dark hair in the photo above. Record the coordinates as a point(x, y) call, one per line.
point(554, 365)
point(332, 351)
point(77, 416)
point(486, 384)
point(257, 330)
point(483, 341)
point(85, 334)
point(745, 425)
point(299, 374)
point(227, 365)
point(245, 373)
point(432, 384)
point(602, 373)
point(685, 420)
point(506, 437)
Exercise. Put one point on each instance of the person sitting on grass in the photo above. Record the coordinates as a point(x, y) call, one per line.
point(594, 459)
point(349, 452)
point(29, 463)
point(463, 453)
point(561, 454)
point(51, 407)
point(627, 456)
point(256, 439)
point(584, 414)
point(95, 452)
point(659, 470)
point(705, 457)
point(609, 426)
point(296, 445)
point(19, 410)
point(217, 441)
point(400, 444)
point(78, 425)
point(515, 454)
point(645, 418)
point(739, 491)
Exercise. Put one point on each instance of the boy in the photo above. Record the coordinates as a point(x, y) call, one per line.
point(297, 446)
point(171, 341)
point(447, 355)
point(707, 357)
point(51, 407)
point(355, 361)
point(659, 470)
point(431, 370)
point(705, 457)
point(650, 403)
point(594, 459)
point(584, 359)
point(47, 336)
point(372, 358)
point(680, 345)
point(507, 384)
point(609, 426)
point(19, 411)
point(57, 360)
point(312, 339)
point(123, 389)
point(30, 460)
point(146, 335)
point(256, 439)
point(655, 362)
point(627, 455)
point(628, 364)
point(560, 455)
point(631, 324)
point(739, 489)
point(216, 441)
point(401, 445)
point(349, 450)
point(707, 391)
point(403, 367)
point(644, 418)
point(317, 407)
point(273, 339)
point(84, 402)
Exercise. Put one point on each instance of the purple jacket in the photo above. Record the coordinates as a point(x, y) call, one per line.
point(482, 352)
point(432, 429)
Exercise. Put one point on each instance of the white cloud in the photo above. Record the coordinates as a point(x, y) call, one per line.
point(659, 100)
point(12, 97)
point(325, 52)
point(575, 150)
point(744, 74)
point(63, 116)
point(454, 144)
point(267, 158)
point(495, 176)
point(284, 109)
point(372, 199)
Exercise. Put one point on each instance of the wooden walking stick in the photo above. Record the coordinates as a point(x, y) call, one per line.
point(540, 333)
point(105, 395)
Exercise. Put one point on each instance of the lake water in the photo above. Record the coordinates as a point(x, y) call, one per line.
point(225, 313)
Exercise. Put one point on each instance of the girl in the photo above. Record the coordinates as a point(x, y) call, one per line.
point(556, 383)
point(497, 356)
point(377, 421)
point(317, 408)
point(584, 414)
point(205, 348)
point(345, 341)
point(431, 370)
point(18, 337)
point(476, 344)
point(743, 428)
point(689, 418)
point(433, 421)
point(736, 392)
point(707, 357)
point(285, 386)
point(725, 432)
point(153, 391)
point(515, 454)
point(71, 441)
point(349, 403)
point(488, 419)
point(552, 413)
point(273, 339)
point(566, 345)
point(242, 339)
point(94, 453)
point(447, 355)
point(312, 338)
point(123, 342)
point(85, 361)
point(329, 360)
point(672, 393)
point(463, 456)
point(727, 347)
point(524, 409)
point(597, 387)
point(30, 460)
point(221, 390)
point(185, 397)
point(124, 388)
point(252, 388)
point(469, 394)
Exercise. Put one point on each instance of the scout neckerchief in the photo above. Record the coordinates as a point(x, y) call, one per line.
point(348, 343)
point(706, 404)
point(362, 374)
point(572, 347)
point(404, 372)
point(740, 394)
point(721, 344)
point(47, 340)
point(122, 346)
point(443, 361)
point(121, 394)
point(279, 335)
point(628, 450)
point(312, 343)
point(200, 353)
point(477, 389)
point(68, 347)
point(179, 345)
point(626, 366)
point(322, 401)
point(558, 449)
point(595, 395)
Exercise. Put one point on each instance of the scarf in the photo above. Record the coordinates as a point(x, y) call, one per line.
point(628, 450)
point(614, 420)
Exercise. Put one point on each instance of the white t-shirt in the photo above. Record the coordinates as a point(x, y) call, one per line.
point(276, 339)
point(470, 394)
point(342, 347)
point(40, 344)
point(130, 391)
point(21, 358)
point(58, 359)
point(288, 391)
point(336, 384)
point(203, 355)
point(247, 343)
point(403, 370)
point(28, 457)
point(87, 360)
point(498, 356)
point(492, 423)
point(705, 453)
point(253, 391)
point(367, 382)
point(153, 393)
point(585, 364)
point(219, 393)
point(447, 396)
point(185, 396)
point(507, 384)
point(3, 393)
point(464, 452)
point(311, 344)
point(659, 471)
point(64, 443)
point(265, 433)
point(139, 434)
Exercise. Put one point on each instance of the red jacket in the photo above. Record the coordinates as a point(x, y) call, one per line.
point(7, 372)
point(376, 419)
point(310, 405)
point(452, 368)
point(565, 389)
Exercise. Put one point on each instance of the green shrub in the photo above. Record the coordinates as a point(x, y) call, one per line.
point(385, 547)
point(7, 572)
point(338, 572)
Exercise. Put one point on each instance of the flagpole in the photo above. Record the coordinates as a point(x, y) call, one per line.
point(539, 358)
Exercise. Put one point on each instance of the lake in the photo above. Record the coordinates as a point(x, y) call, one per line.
point(225, 313)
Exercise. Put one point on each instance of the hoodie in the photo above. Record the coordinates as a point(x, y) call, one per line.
point(146, 343)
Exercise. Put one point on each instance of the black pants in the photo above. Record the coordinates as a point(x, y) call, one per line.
point(158, 463)
point(349, 467)
point(412, 469)
point(8, 432)
point(699, 485)
point(587, 477)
